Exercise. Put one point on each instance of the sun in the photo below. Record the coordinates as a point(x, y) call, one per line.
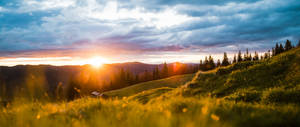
point(97, 61)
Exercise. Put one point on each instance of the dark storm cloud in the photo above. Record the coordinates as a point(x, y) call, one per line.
point(148, 26)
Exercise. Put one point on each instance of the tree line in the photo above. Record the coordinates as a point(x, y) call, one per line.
point(124, 78)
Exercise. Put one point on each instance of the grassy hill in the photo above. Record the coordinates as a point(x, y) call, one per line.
point(271, 80)
point(261, 93)
point(171, 82)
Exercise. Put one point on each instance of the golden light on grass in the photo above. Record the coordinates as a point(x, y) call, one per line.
point(97, 61)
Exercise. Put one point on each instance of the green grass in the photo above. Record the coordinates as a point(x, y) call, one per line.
point(250, 81)
point(177, 111)
point(171, 82)
point(265, 93)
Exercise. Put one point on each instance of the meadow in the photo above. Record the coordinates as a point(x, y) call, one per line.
point(253, 93)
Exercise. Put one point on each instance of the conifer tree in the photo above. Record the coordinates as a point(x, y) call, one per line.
point(266, 56)
point(165, 70)
point(247, 55)
point(211, 63)
point(206, 64)
point(218, 63)
point(201, 65)
point(288, 45)
point(298, 45)
point(234, 59)
point(154, 74)
point(269, 54)
point(157, 72)
point(225, 61)
point(281, 49)
point(256, 57)
point(250, 57)
point(240, 56)
point(277, 50)
point(273, 52)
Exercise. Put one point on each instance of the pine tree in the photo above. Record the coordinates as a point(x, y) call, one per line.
point(298, 45)
point(288, 45)
point(146, 76)
point(277, 50)
point(201, 65)
point(247, 55)
point(205, 64)
point(256, 57)
point(211, 63)
point(225, 61)
point(240, 56)
point(157, 72)
point(266, 56)
point(269, 54)
point(250, 57)
point(165, 70)
point(234, 59)
point(218, 63)
point(122, 75)
point(273, 52)
point(281, 49)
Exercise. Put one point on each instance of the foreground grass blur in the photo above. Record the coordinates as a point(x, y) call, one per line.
point(177, 111)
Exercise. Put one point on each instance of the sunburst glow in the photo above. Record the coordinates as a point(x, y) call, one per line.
point(97, 61)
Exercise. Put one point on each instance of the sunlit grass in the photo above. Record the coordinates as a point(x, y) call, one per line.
point(177, 111)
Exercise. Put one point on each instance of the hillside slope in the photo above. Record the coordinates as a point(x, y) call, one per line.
point(275, 80)
point(171, 82)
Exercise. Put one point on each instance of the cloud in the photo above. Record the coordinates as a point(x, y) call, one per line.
point(145, 27)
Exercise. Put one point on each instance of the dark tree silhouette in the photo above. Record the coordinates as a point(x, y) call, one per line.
point(281, 49)
point(165, 70)
point(206, 64)
point(256, 57)
point(277, 50)
point(298, 45)
point(211, 63)
point(201, 66)
point(225, 61)
point(234, 59)
point(218, 63)
point(288, 45)
point(240, 56)
point(250, 57)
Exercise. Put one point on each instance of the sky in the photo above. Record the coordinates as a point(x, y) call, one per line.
point(61, 32)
